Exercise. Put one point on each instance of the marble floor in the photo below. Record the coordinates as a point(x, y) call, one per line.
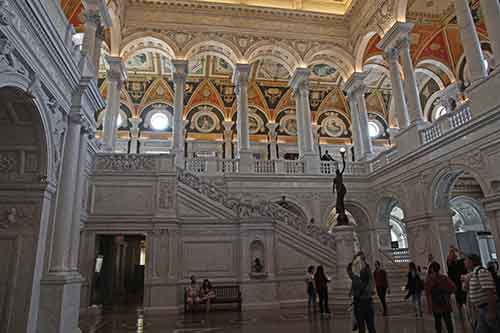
point(294, 320)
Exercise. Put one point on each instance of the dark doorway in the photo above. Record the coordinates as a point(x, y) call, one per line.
point(119, 270)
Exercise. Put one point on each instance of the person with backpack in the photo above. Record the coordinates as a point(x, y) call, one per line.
point(482, 296)
point(438, 289)
point(414, 287)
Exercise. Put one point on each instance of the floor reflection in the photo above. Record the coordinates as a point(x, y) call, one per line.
point(285, 320)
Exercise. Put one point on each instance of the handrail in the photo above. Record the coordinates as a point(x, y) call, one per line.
point(387, 257)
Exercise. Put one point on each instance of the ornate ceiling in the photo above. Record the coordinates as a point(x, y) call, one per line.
point(321, 6)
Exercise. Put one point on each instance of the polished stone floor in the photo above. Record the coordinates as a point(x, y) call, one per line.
point(294, 320)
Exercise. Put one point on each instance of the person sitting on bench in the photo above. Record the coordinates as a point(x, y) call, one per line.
point(193, 296)
point(207, 293)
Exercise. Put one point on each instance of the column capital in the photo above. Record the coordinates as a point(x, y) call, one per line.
point(355, 84)
point(396, 33)
point(241, 74)
point(92, 17)
point(228, 125)
point(117, 70)
point(300, 80)
point(179, 69)
point(272, 127)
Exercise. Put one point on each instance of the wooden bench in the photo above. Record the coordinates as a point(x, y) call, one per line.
point(223, 295)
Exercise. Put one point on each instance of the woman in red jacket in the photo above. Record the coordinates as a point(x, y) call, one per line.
point(438, 288)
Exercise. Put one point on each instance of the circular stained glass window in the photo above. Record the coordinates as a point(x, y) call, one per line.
point(373, 129)
point(159, 121)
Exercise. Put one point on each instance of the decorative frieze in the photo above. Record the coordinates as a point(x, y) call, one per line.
point(16, 215)
point(131, 162)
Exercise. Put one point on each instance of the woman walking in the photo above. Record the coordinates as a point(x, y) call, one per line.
point(438, 289)
point(311, 290)
point(414, 287)
point(321, 281)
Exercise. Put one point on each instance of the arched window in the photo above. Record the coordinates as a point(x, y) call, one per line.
point(373, 129)
point(159, 121)
point(439, 111)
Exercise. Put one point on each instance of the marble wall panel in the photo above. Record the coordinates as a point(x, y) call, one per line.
point(117, 199)
point(208, 259)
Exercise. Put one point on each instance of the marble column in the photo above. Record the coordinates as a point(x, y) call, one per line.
point(81, 178)
point(273, 141)
point(300, 86)
point(228, 139)
point(115, 77)
point(491, 14)
point(413, 95)
point(240, 81)
point(344, 240)
point(391, 53)
point(92, 20)
point(316, 137)
point(179, 75)
point(356, 88)
point(398, 94)
point(99, 38)
point(66, 196)
point(470, 41)
point(492, 208)
point(134, 134)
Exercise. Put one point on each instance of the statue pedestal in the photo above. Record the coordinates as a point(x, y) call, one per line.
point(344, 241)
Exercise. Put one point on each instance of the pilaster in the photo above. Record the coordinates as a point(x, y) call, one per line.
point(240, 81)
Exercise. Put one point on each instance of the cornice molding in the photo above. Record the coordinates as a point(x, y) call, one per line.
point(242, 10)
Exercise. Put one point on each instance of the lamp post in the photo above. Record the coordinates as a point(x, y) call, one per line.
point(339, 187)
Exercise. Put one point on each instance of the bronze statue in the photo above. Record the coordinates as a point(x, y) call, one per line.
point(339, 187)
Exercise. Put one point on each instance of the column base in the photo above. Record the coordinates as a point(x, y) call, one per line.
point(311, 163)
point(60, 303)
point(246, 161)
point(483, 94)
point(409, 138)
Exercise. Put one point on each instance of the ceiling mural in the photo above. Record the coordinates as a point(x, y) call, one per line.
point(271, 70)
point(334, 125)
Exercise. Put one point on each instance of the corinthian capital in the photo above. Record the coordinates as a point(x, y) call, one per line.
point(92, 17)
point(300, 81)
point(241, 75)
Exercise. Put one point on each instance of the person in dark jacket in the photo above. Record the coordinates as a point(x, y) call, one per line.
point(321, 282)
point(456, 269)
point(438, 289)
point(361, 290)
point(381, 284)
point(414, 287)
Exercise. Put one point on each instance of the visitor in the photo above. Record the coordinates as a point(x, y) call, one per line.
point(327, 157)
point(362, 300)
point(482, 296)
point(381, 284)
point(456, 269)
point(430, 260)
point(438, 289)
point(321, 282)
point(414, 287)
point(192, 291)
point(311, 290)
point(207, 293)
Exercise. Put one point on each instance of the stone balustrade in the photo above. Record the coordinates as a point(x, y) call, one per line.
point(446, 123)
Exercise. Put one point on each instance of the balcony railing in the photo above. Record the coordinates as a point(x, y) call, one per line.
point(447, 123)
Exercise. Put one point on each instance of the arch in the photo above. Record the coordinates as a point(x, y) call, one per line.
point(358, 211)
point(339, 57)
point(444, 180)
point(428, 110)
point(278, 52)
point(32, 135)
point(143, 42)
point(458, 201)
point(294, 205)
point(360, 50)
point(432, 75)
point(216, 47)
point(439, 65)
point(20, 82)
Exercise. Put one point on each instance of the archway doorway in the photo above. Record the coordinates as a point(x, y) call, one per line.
point(24, 205)
point(461, 193)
